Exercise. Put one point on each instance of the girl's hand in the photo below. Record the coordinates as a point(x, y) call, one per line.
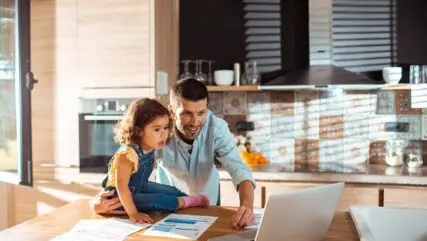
point(140, 218)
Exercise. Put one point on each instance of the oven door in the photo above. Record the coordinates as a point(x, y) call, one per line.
point(96, 141)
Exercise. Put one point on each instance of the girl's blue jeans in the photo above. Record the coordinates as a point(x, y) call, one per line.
point(153, 197)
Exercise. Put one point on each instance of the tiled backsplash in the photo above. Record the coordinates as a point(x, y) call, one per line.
point(313, 127)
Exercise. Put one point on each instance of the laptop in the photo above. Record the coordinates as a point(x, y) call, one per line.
point(303, 215)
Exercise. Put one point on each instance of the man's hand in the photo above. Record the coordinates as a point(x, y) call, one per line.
point(100, 204)
point(243, 217)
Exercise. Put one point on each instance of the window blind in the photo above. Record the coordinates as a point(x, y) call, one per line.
point(263, 34)
point(363, 34)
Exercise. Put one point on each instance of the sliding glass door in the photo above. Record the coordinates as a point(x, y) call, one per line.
point(16, 83)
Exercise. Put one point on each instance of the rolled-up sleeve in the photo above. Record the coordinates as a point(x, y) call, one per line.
point(227, 153)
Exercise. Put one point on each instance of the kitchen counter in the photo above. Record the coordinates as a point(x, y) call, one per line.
point(334, 172)
point(280, 172)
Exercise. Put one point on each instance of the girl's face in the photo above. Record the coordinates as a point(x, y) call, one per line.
point(155, 134)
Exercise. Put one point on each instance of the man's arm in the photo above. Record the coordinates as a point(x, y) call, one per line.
point(228, 155)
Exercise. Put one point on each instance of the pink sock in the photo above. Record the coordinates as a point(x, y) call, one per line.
point(196, 201)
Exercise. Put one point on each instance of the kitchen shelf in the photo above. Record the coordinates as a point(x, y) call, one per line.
point(216, 88)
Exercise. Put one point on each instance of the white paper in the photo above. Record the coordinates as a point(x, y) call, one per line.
point(398, 224)
point(390, 224)
point(181, 226)
point(360, 216)
point(258, 212)
point(112, 229)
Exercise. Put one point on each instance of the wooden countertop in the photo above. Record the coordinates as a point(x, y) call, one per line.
point(356, 174)
point(64, 218)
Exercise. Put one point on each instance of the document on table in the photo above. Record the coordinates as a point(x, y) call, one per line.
point(112, 229)
point(258, 212)
point(181, 226)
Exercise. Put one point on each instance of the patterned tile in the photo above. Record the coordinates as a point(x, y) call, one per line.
point(307, 102)
point(282, 126)
point(356, 151)
point(215, 102)
point(306, 126)
point(356, 126)
point(258, 103)
point(331, 127)
point(377, 127)
point(283, 102)
point(262, 124)
point(377, 151)
point(331, 151)
point(418, 97)
point(306, 151)
point(386, 102)
point(282, 150)
point(332, 102)
point(358, 103)
point(235, 104)
point(232, 123)
point(403, 103)
point(415, 127)
point(424, 123)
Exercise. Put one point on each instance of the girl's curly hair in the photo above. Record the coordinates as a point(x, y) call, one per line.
point(138, 115)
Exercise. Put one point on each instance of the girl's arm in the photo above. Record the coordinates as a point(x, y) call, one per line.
point(123, 172)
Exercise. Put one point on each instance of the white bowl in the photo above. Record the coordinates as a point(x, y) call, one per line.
point(392, 70)
point(392, 78)
point(392, 75)
point(224, 77)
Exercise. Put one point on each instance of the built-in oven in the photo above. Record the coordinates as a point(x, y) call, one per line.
point(96, 133)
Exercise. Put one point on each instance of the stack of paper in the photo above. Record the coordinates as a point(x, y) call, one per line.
point(112, 229)
point(258, 212)
point(181, 226)
point(390, 224)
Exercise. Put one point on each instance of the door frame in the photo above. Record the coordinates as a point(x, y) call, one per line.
point(25, 82)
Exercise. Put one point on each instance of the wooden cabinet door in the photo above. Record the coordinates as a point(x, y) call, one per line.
point(230, 196)
point(114, 43)
point(352, 194)
point(406, 197)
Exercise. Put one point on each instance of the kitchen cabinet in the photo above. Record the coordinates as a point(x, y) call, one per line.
point(230, 196)
point(413, 197)
point(114, 43)
point(121, 44)
point(352, 194)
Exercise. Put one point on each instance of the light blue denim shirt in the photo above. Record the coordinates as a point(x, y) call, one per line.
point(196, 173)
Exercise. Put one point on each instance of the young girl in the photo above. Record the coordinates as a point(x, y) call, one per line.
point(145, 127)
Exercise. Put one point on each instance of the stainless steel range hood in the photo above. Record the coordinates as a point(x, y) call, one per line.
point(321, 77)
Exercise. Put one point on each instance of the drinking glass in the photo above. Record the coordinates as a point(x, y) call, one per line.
point(186, 74)
point(210, 78)
point(199, 75)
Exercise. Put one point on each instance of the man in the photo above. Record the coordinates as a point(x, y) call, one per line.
point(187, 162)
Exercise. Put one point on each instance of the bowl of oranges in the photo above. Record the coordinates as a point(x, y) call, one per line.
point(250, 156)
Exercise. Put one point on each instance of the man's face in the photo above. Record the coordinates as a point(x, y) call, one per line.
point(190, 117)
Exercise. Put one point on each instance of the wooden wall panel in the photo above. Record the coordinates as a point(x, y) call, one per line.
point(55, 97)
point(114, 43)
point(166, 41)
